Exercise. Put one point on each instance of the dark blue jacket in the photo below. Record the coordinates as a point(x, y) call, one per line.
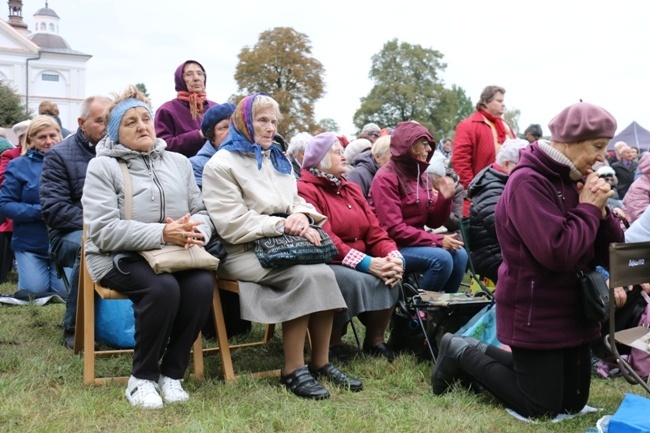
point(200, 159)
point(19, 201)
point(62, 183)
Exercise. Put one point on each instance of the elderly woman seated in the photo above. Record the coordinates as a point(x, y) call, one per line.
point(170, 308)
point(485, 190)
point(250, 192)
point(404, 201)
point(369, 265)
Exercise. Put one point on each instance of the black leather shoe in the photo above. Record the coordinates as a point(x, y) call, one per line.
point(380, 350)
point(447, 370)
point(337, 353)
point(68, 339)
point(338, 377)
point(302, 383)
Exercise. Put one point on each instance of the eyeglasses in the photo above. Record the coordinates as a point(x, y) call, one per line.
point(607, 176)
point(199, 74)
point(337, 151)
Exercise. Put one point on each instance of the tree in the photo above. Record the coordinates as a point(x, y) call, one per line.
point(512, 117)
point(281, 65)
point(141, 87)
point(407, 87)
point(12, 110)
point(327, 125)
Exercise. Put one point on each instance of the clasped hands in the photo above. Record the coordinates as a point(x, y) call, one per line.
point(389, 269)
point(183, 232)
point(297, 224)
point(595, 191)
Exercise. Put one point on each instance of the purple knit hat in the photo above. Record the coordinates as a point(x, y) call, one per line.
point(582, 121)
point(317, 147)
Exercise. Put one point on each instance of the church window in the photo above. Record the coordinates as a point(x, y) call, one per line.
point(50, 77)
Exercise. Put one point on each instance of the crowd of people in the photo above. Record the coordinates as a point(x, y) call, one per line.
point(391, 199)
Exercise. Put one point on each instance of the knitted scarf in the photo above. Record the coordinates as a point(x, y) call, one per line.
point(320, 173)
point(241, 137)
point(498, 124)
point(195, 100)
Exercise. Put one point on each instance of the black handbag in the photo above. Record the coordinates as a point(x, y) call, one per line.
point(288, 250)
point(595, 295)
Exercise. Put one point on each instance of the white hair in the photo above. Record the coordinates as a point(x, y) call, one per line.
point(298, 143)
point(510, 150)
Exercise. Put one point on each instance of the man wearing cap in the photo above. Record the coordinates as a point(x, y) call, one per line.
point(370, 132)
point(214, 127)
point(553, 219)
point(62, 182)
point(479, 137)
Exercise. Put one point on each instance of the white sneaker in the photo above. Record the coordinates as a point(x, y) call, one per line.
point(143, 393)
point(171, 390)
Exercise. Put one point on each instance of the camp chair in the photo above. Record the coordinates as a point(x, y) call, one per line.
point(629, 264)
point(464, 223)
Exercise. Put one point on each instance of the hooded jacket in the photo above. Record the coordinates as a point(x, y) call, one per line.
point(163, 186)
point(19, 201)
point(174, 123)
point(350, 221)
point(401, 192)
point(62, 183)
point(365, 168)
point(545, 234)
point(637, 197)
point(200, 159)
point(484, 191)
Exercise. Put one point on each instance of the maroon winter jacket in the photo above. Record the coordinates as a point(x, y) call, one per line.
point(350, 221)
point(173, 121)
point(545, 234)
point(401, 193)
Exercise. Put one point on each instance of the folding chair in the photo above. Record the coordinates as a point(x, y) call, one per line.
point(84, 338)
point(225, 347)
point(464, 223)
point(629, 264)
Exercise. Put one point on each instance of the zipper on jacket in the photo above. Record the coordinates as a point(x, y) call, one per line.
point(149, 163)
point(530, 308)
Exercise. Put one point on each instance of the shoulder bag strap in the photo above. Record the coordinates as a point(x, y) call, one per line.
point(128, 190)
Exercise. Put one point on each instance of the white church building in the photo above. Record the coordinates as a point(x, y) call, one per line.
point(40, 65)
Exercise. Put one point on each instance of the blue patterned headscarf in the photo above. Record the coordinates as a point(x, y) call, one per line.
point(241, 137)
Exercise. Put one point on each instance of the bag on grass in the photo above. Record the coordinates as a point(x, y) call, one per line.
point(631, 416)
point(483, 326)
point(115, 322)
point(640, 359)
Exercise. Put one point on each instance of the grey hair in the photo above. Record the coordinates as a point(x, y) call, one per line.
point(298, 143)
point(510, 150)
point(85, 105)
point(381, 146)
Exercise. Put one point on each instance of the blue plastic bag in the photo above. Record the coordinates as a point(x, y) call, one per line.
point(483, 326)
point(115, 322)
point(631, 416)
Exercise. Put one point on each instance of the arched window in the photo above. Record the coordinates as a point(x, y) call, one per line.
point(43, 27)
point(51, 28)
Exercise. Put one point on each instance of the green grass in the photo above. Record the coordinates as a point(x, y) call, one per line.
point(41, 390)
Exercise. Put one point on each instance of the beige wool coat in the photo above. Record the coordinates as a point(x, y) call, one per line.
point(240, 199)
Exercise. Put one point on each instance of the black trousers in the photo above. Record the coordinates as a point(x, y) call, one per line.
point(535, 383)
point(170, 310)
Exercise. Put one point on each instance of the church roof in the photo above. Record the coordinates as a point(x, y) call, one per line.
point(47, 12)
point(49, 40)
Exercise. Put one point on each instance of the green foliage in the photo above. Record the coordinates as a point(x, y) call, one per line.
point(328, 125)
point(12, 110)
point(512, 117)
point(281, 65)
point(407, 87)
point(141, 87)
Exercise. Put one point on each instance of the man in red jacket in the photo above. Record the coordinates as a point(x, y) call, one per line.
point(479, 137)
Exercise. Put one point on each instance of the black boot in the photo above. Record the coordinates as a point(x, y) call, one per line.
point(447, 370)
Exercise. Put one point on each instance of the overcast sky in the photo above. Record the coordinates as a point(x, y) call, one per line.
point(547, 54)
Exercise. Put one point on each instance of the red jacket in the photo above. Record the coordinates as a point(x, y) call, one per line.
point(474, 147)
point(402, 196)
point(7, 225)
point(350, 221)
